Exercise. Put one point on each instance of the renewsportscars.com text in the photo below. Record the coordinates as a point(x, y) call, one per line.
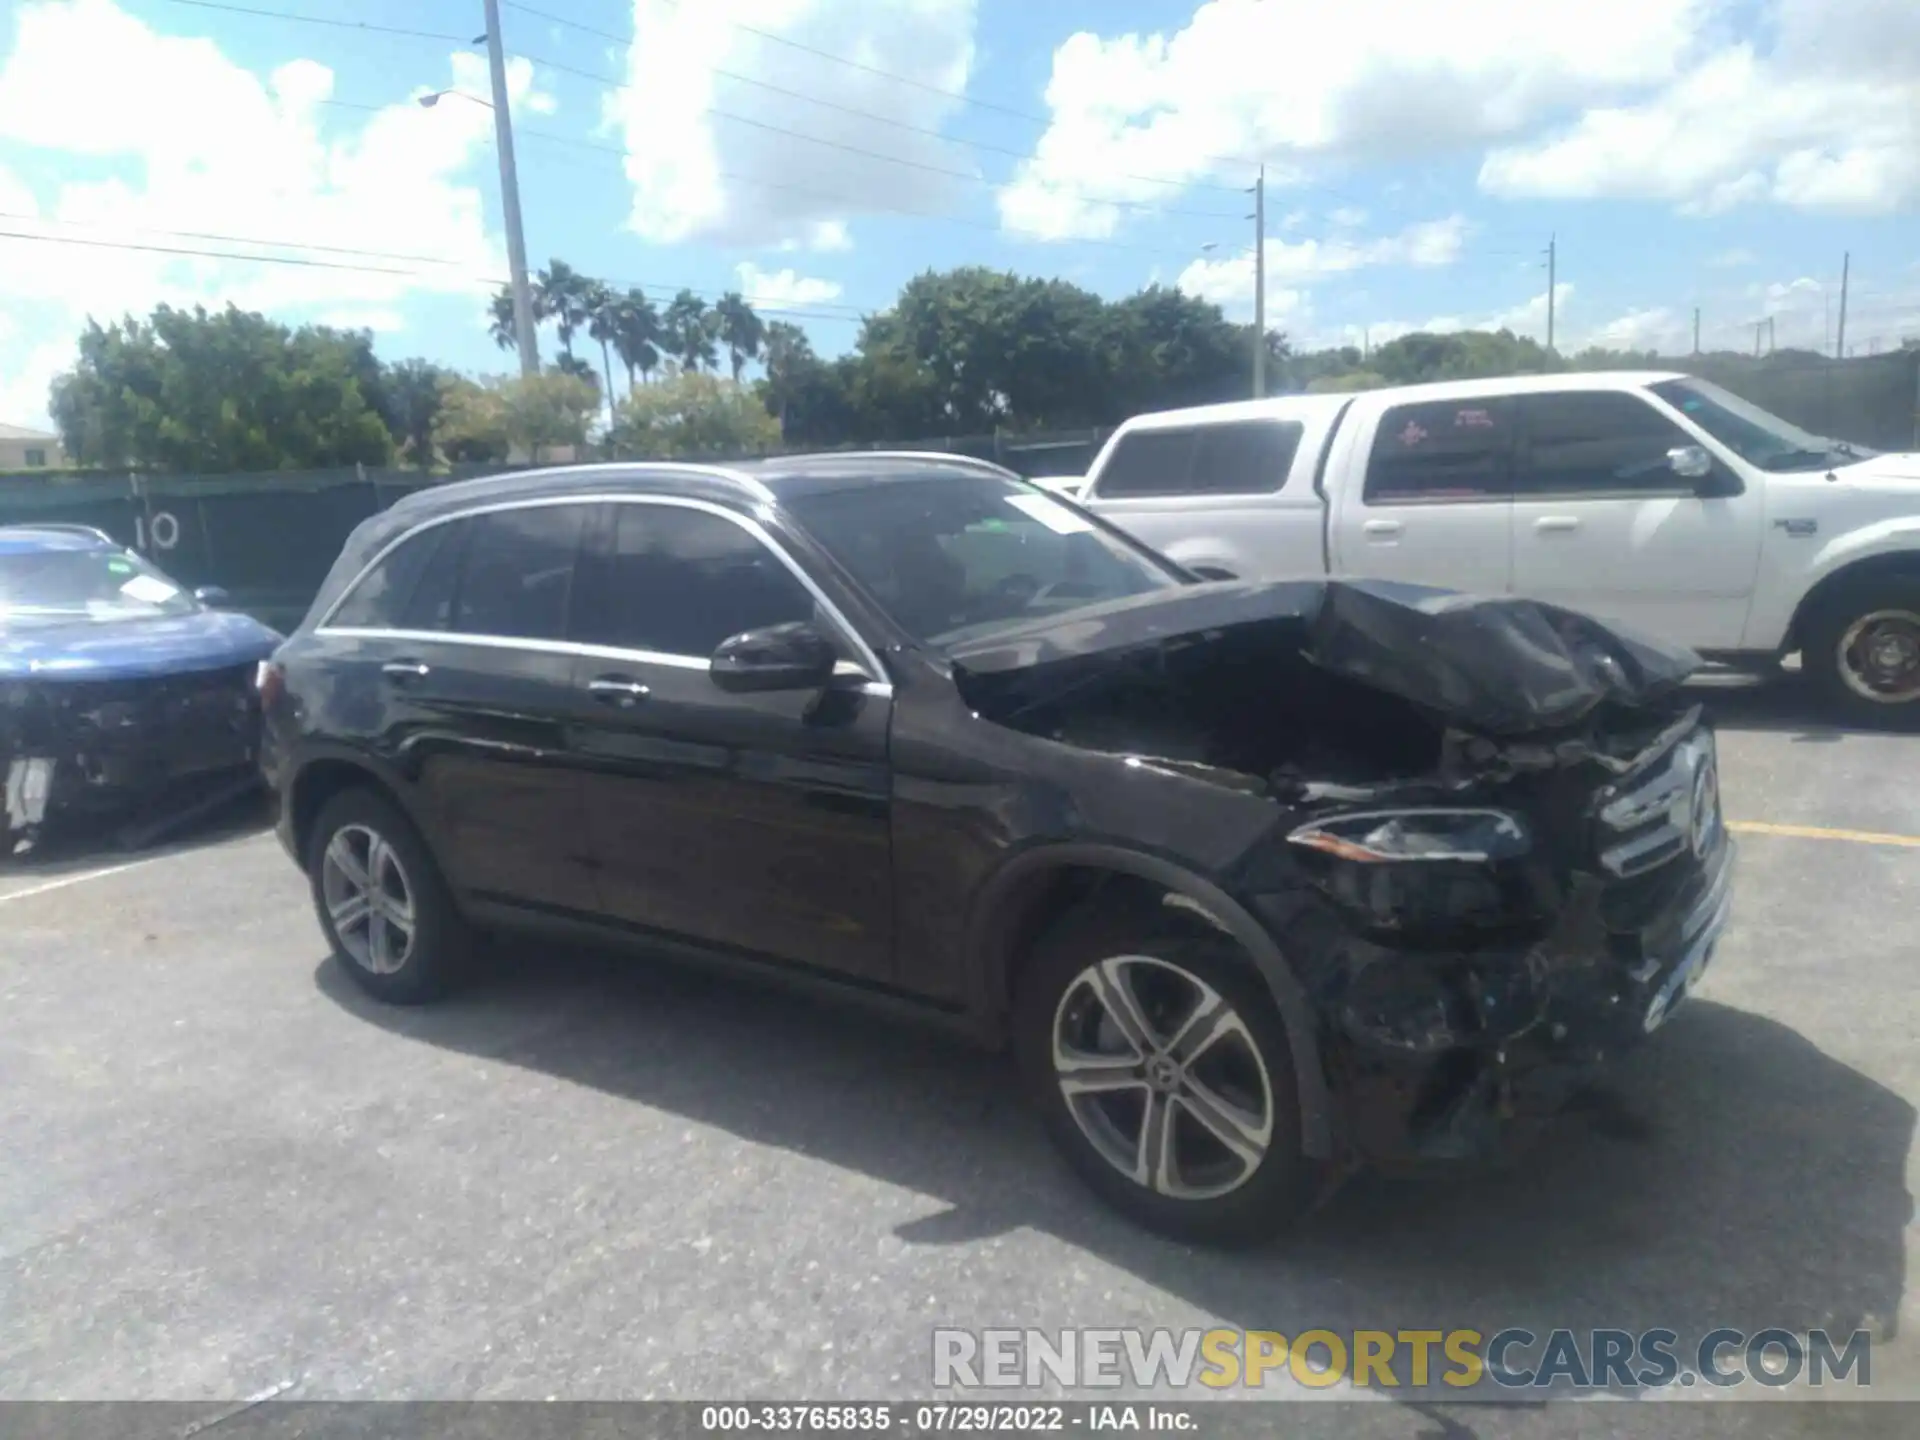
point(1514, 1358)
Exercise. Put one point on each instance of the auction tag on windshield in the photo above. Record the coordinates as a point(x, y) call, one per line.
point(1051, 513)
point(148, 589)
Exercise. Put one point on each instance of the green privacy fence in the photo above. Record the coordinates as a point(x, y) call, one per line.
point(268, 539)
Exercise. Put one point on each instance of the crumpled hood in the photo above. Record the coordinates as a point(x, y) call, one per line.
point(134, 649)
point(1496, 665)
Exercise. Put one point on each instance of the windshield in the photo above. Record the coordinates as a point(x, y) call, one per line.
point(1754, 434)
point(60, 587)
point(956, 556)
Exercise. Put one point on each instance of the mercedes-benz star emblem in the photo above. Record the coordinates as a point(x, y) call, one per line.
point(1706, 808)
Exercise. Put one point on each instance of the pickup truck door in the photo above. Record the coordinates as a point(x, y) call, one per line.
point(1225, 499)
point(1420, 493)
point(1603, 524)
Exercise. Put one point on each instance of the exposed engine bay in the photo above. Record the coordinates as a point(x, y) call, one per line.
point(1496, 854)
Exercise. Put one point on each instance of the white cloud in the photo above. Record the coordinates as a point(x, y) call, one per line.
point(1653, 328)
point(1732, 259)
point(1827, 119)
point(693, 170)
point(770, 290)
point(821, 235)
point(1347, 217)
point(1527, 318)
point(1364, 80)
point(194, 142)
point(1229, 282)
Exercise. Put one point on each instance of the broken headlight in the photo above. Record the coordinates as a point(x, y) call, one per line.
point(1425, 871)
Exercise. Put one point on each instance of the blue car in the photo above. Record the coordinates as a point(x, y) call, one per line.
point(122, 694)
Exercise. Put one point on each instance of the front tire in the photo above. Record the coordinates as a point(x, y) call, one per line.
point(1161, 1068)
point(1862, 653)
point(382, 902)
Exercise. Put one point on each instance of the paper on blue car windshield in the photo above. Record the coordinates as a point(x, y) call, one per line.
point(1051, 513)
point(148, 589)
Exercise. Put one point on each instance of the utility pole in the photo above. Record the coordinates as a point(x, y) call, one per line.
point(1759, 329)
point(1260, 284)
point(1696, 329)
point(1552, 248)
point(1840, 344)
point(523, 331)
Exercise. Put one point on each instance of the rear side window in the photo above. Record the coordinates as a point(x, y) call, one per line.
point(516, 575)
point(679, 581)
point(384, 596)
point(1246, 457)
point(1445, 450)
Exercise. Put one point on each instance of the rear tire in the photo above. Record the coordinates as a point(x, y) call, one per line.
point(1862, 653)
point(1210, 1080)
point(382, 903)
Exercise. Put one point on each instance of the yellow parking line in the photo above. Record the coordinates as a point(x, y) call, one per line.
point(1817, 832)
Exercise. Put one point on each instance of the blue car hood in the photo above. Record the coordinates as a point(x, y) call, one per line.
point(134, 649)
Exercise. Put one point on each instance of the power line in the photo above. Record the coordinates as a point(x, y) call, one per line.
point(326, 20)
point(305, 262)
point(885, 119)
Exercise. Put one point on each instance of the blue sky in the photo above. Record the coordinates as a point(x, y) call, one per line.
point(817, 153)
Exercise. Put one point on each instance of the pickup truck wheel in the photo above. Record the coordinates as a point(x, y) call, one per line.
point(1162, 1071)
point(1863, 653)
point(382, 903)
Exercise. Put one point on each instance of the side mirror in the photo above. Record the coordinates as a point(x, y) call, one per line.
point(1690, 462)
point(795, 656)
point(213, 597)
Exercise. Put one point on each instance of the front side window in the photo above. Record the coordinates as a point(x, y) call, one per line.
point(1596, 443)
point(64, 587)
point(1441, 450)
point(516, 572)
point(950, 557)
point(678, 581)
point(381, 600)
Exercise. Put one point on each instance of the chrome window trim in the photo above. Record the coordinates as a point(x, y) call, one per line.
point(870, 661)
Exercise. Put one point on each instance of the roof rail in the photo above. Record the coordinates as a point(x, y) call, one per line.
point(947, 456)
point(93, 532)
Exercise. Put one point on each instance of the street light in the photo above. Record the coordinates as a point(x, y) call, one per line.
point(523, 332)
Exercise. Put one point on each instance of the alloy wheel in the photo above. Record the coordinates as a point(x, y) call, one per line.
point(1162, 1077)
point(368, 899)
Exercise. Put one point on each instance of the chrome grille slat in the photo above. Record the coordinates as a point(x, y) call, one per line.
point(1647, 819)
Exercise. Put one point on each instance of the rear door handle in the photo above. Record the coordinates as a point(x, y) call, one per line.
point(1381, 527)
point(404, 670)
point(613, 690)
point(1548, 523)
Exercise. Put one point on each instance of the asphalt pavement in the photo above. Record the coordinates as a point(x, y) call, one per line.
point(226, 1174)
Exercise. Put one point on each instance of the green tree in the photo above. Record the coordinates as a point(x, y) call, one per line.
point(417, 390)
point(789, 354)
point(692, 415)
point(500, 321)
point(186, 390)
point(689, 332)
point(739, 329)
point(471, 427)
point(542, 412)
point(603, 324)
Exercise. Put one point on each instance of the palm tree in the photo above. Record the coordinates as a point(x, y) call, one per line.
point(559, 295)
point(687, 334)
point(787, 349)
point(500, 319)
point(636, 333)
point(603, 323)
point(739, 329)
point(419, 391)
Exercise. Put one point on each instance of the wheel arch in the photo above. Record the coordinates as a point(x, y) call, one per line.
point(324, 775)
point(1889, 563)
point(1033, 887)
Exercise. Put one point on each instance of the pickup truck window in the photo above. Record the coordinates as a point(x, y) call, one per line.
point(1440, 451)
point(1595, 442)
point(1246, 457)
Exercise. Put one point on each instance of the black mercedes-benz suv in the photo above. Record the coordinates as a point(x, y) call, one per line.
point(1258, 880)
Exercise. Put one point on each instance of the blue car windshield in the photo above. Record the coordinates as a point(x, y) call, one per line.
point(65, 587)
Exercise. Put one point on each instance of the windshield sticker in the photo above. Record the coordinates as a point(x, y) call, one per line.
point(119, 567)
point(1051, 513)
point(148, 589)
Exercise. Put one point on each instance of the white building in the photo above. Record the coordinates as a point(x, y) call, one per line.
point(24, 449)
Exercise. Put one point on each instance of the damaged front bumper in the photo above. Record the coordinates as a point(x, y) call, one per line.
point(140, 751)
point(1438, 1039)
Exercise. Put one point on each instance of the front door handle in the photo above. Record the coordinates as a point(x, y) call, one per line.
point(612, 690)
point(402, 671)
point(1547, 523)
point(1381, 527)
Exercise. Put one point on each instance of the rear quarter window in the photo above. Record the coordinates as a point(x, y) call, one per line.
point(1243, 457)
point(1442, 450)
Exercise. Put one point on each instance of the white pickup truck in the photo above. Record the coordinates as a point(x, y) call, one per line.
point(1654, 499)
